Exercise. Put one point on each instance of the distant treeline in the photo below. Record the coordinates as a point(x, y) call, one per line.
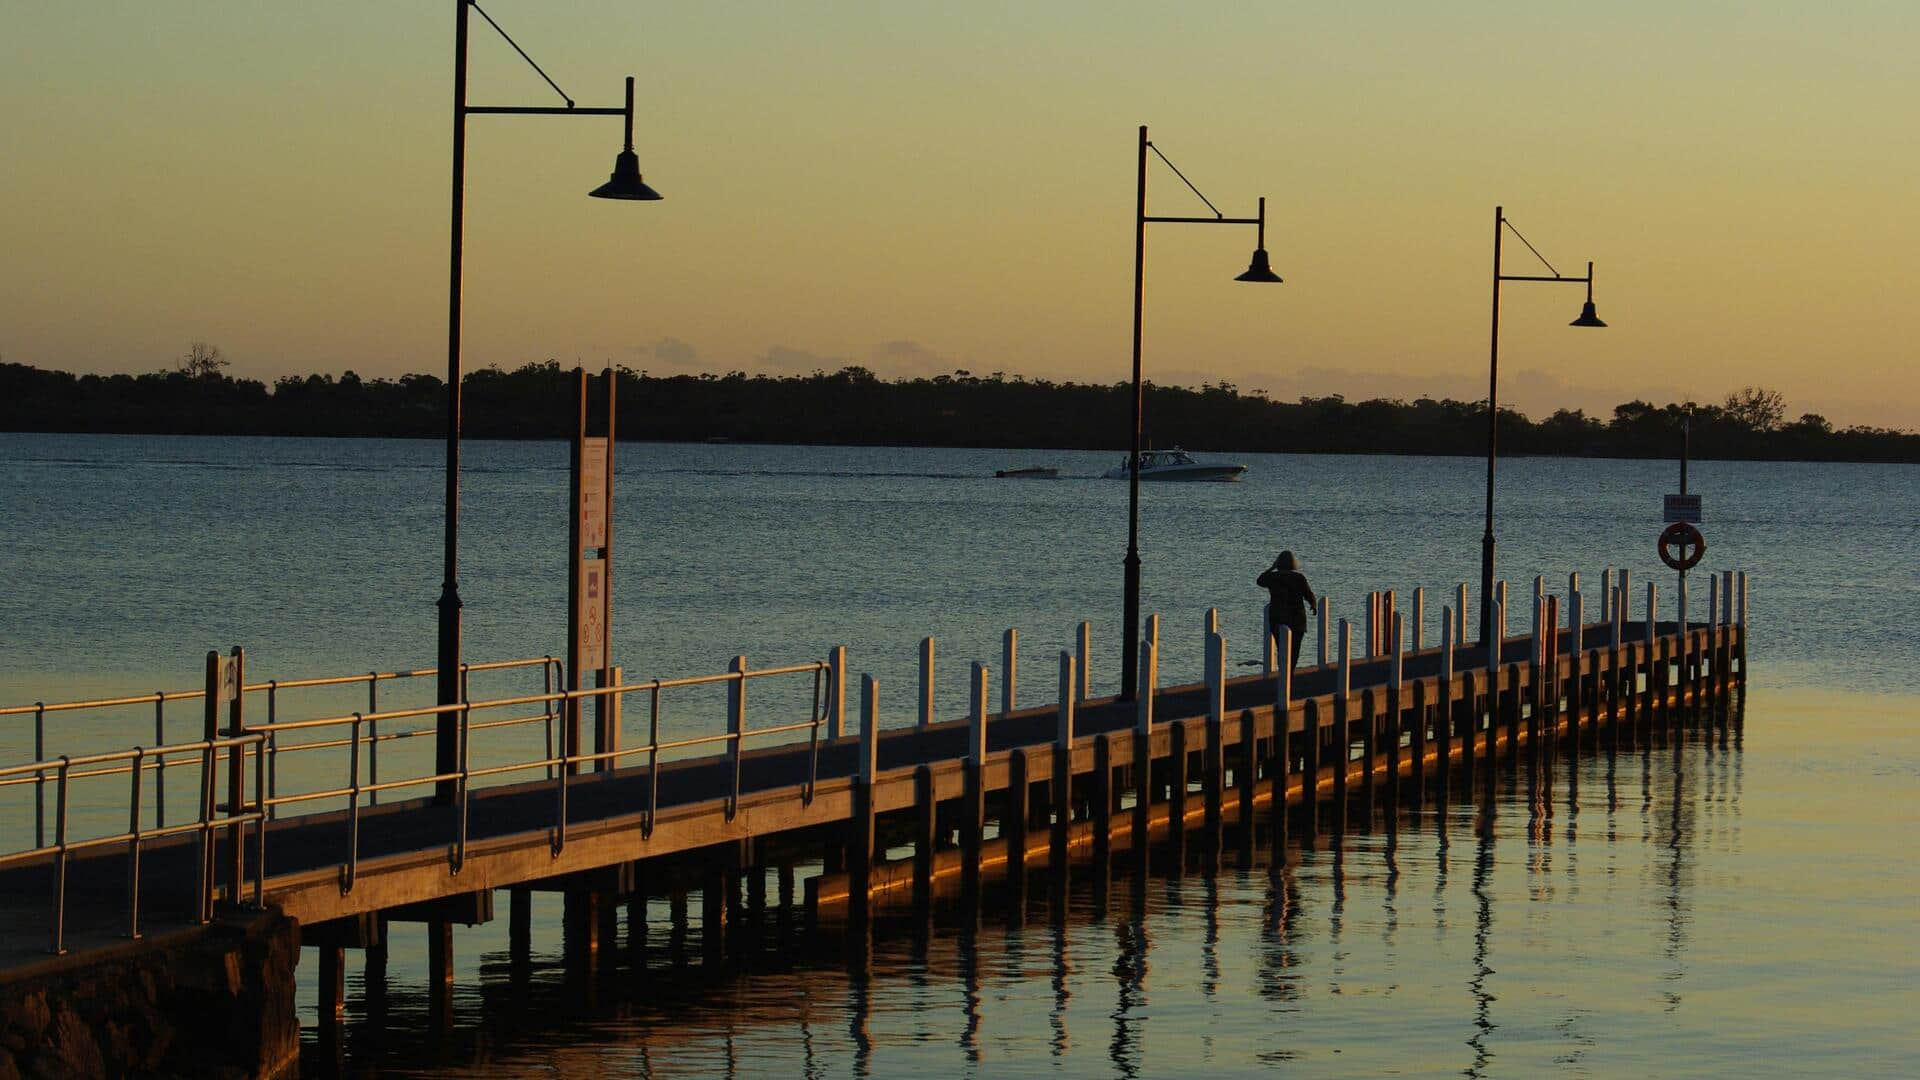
point(853, 406)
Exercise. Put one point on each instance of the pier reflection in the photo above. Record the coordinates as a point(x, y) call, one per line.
point(1281, 960)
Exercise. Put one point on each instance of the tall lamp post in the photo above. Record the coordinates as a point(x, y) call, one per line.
point(1257, 270)
point(1587, 318)
point(625, 183)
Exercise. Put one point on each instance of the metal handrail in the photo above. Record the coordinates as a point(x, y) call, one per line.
point(238, 817)
point(159, 696)
point(263, 743)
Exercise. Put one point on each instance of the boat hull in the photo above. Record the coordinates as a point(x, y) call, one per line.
point(1218, 474)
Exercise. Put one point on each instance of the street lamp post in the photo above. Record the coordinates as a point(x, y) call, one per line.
point(1257, 270)
point(1587, 318)
point(625, 183)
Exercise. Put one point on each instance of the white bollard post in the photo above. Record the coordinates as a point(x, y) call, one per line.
point(1069, 684)
point(977, 716)
point(869, 729)
point(1419, 617)
point(926, 681)
point(1009, 663)
point(1344, 684)
point(836, 691)
point(1084, 644)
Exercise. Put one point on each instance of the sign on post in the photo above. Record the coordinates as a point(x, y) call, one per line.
point(1682, 508)
point(591, 645)
point(593, 492)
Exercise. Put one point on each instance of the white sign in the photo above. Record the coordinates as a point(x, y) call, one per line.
point(1682, 508)
point(593, 492)
point(590, 636)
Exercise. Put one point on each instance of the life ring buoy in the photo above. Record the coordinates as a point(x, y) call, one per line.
point(1681, 545)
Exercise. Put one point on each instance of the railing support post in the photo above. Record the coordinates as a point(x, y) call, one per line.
point(736, 727)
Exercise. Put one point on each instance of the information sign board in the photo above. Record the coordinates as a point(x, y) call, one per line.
point(593, 493)
point(1682, 508)
point(590, 635)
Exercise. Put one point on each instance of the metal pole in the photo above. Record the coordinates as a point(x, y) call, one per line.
point(1130, 614)
point(1493, 439)
point(447, 725)
point(1686, 448)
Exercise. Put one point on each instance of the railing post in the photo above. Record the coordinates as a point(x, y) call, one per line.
point(1500, 603)
point(210, 732)
point(736, 727)
point(1211, 622)
point(977, 715)
point(1460, 613)
point(1283, 685)
point(1063, 728)
point(160, 760)
point(373, 736)
point(860, 847)
point(1149, 675)
point(1443, 714)
point(973, 808)
point(236, 777)
point(133, 845)
point(1653, 612)
point(1010, 665)
point(1214, 770)
point(1325, 617)
point(1062, 785)
point(836, 692)
point(926, 682)
point(1606, 595)
point(1713, 620)
point(1419, 618)
point(60, 859)
point(1343, 682)
point(1083, 644)
point(39, 778)
point(1370, 647)
point(1267, 660)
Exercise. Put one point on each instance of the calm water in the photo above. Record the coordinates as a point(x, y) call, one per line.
point(1696, 910)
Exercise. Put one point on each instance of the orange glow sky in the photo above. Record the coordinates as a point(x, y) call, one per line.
point(920, 187)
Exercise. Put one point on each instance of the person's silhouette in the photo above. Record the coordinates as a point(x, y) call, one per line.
point(1290, 598)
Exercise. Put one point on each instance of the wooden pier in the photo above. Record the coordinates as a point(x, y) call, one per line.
point(847, 817)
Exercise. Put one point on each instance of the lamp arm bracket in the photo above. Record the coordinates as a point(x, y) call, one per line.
point(1202, 220)
point(540, 110)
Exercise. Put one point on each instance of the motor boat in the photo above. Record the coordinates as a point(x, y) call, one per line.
point(1028, 472)
point(1177, 464)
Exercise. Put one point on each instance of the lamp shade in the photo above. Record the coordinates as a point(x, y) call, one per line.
point(1259, 270)
point(625, 183)
point(1587, 317)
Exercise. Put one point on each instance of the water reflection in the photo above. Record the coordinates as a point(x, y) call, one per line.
point(944, 997)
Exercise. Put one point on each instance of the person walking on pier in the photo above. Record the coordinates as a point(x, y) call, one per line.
point(1290, 599)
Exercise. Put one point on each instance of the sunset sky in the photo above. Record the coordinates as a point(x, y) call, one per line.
point(922, 187)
